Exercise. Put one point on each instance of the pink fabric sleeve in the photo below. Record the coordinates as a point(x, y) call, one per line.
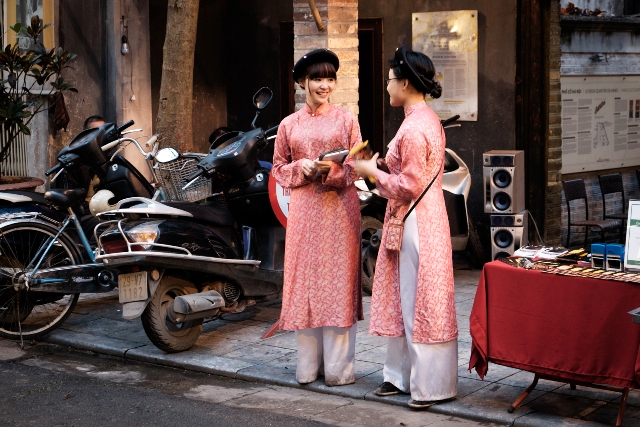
point(343, 175)
point(406, 185)
point(287, 173)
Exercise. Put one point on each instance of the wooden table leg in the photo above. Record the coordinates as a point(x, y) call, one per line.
point(524, 395)
point(623, 405)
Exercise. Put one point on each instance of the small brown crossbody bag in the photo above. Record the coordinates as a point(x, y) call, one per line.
point(395, 228)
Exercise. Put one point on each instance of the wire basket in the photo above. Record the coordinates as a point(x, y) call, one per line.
point(173, 176)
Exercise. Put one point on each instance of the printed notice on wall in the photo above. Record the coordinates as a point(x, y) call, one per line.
point(600, 122)
point(450, 39)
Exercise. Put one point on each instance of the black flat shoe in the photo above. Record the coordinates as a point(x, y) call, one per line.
point(423, 404)
point(387, 389)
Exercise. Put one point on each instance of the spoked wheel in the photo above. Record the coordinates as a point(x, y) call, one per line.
point(24, 313)
point(369, 226)
point(162, 332)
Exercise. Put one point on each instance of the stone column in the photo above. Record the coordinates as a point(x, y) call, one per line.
point(553, 208)
point(340, 19)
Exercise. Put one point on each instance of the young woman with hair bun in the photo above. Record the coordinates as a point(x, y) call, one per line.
point(413, 297)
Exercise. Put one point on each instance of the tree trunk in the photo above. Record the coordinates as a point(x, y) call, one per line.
point(176, 88)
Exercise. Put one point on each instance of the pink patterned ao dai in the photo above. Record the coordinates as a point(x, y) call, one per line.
point(322, 249)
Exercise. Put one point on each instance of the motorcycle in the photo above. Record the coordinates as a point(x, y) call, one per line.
point(456, 183)
point(116, 174)
point(182, 262)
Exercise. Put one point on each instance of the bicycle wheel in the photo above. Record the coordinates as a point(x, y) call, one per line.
point(24, 312)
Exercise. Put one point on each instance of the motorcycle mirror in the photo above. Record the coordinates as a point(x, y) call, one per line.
point(167, 155)
point(262, 97)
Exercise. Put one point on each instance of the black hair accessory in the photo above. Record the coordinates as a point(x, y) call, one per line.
point(314, 57)
point(407, 69)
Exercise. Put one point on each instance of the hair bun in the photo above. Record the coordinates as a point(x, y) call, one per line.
point(436, 89)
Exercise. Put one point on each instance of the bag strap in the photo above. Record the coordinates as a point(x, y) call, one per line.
point(423, 193)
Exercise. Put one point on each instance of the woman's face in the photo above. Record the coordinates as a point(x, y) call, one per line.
point(319, 90)
point(395, 88)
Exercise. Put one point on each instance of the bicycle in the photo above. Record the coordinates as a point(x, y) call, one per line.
point(43, 266)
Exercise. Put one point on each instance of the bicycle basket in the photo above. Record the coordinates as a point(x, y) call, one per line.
point(173, 176)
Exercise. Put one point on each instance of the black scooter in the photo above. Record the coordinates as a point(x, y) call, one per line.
point(181, 262)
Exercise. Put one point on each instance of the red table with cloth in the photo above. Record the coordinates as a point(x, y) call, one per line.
point(572, 328)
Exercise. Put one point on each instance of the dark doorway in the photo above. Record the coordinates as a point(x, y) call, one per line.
point(371, 79)
point(287, 90)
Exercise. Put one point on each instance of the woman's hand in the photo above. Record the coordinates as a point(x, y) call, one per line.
point(323, 166)
point(308, 167)
point(382, 165)
point(367, 168)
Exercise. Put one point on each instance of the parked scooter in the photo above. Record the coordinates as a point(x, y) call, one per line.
point(182, 262)
point(456, 183)
point(116, 174)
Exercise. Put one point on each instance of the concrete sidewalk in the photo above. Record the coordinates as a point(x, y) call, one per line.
point(232, 347)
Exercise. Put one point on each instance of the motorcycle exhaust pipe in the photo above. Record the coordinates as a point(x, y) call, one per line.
point(195, 306)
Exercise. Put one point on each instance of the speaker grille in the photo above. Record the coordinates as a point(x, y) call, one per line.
point(501, 201)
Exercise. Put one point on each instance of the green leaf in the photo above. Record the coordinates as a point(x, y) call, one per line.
point(17, 27)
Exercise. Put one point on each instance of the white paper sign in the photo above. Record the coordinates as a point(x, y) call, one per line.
point(632, 246)
point(600, 122)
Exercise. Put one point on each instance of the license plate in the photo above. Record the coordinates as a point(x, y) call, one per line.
point(133, 287)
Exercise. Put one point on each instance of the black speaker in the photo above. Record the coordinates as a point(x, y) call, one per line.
point(503, 181)
point(508, 233)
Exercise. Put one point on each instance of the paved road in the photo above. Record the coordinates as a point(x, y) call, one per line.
point(51, 386)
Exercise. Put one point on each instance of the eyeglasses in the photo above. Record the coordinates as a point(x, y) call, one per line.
point(388, 80)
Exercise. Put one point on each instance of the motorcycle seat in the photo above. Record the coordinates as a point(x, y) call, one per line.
point(210, 213)
point(65, 196)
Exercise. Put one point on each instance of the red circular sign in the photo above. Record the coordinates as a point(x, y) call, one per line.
point(279, 198)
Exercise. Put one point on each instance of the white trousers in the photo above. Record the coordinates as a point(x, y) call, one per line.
point(427, 371)
point(328, 346)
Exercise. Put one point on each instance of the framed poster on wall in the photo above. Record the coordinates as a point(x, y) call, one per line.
point(21, 11)
point(450, 39)
point(600, 122)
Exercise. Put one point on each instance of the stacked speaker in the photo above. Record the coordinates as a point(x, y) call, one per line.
point(503, 183)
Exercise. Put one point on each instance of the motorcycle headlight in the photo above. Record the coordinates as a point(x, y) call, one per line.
point(364, 196)
point(146, 232)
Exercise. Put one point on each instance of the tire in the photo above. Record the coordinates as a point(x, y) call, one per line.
point(23, 313)
point(368, 226)
point(163, 333)
point(474, 249)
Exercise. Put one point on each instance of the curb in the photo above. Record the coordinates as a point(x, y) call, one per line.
point(493, 412)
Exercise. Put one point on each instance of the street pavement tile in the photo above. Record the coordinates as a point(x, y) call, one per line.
point(608, 413)
point(464, 353)
point(100, 326)
point(79, 319)
point(633, 398)
point(10, 350)
point(258, 353)
point(363, 347)
point(466, 386)
point(220, 394)
point(281, 371)
point(247, 314)
point(489, 403)
point(367, 368)
point(191, 360)
point(464, 297)
point(524, 379)
point(464, 307)
point(264, 314)
point(375, 355)
point(91, 342)
point(249, 334)
point(373, 340)
point(565, 405)
point(589, 393)
point(494, 373)
point(217, 345)
point(221, 327)
point(283, 339)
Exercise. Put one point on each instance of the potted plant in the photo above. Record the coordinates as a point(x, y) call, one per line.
point(31, 81)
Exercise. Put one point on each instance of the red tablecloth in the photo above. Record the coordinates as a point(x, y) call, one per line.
point(570, 327)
